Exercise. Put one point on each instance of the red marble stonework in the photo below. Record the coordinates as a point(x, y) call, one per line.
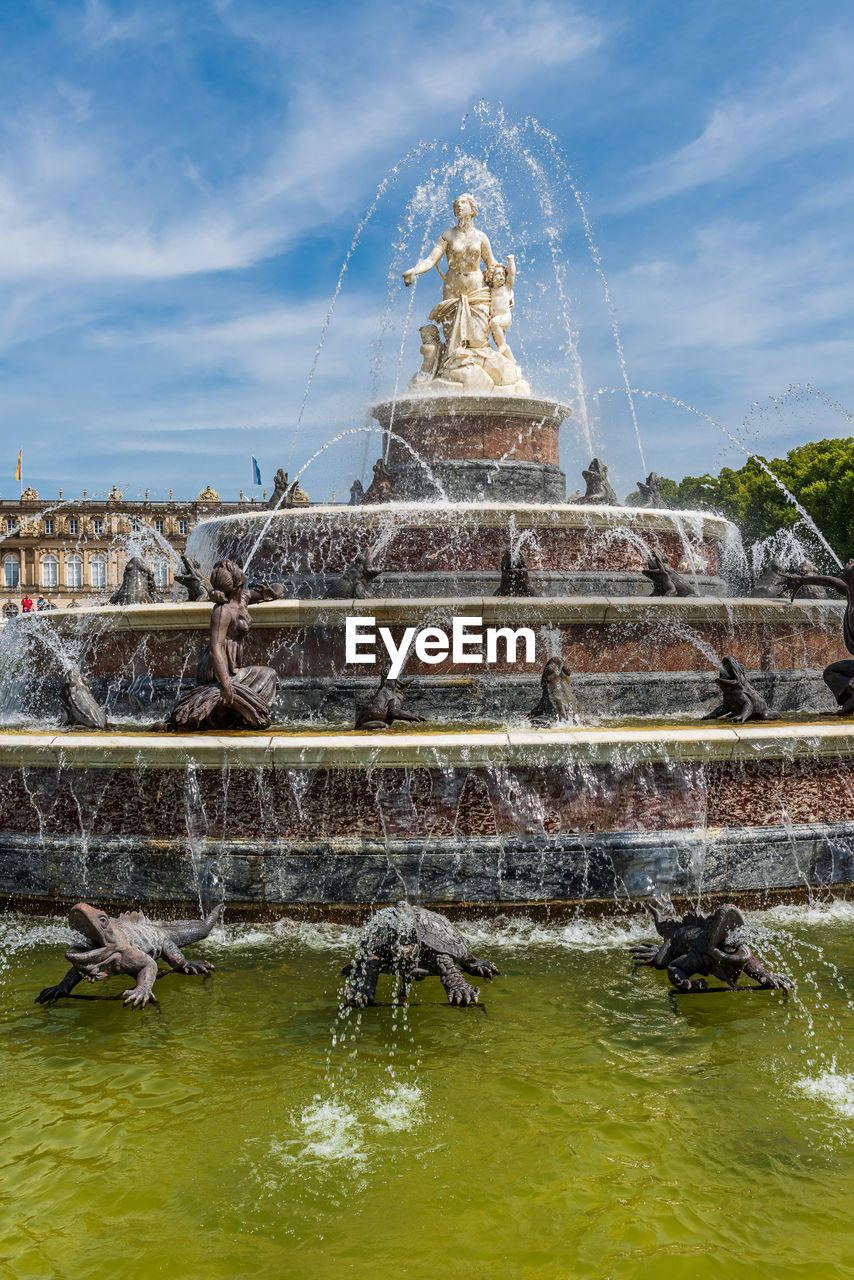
point(312, 545)
point(784, 642)
point(353, 804)
point(474, 435)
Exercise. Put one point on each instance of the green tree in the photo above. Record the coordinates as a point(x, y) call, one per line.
point(820, 475)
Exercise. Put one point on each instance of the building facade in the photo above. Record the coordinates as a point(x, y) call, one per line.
point(69, 549)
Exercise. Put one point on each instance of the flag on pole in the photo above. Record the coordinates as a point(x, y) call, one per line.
point(256, 472)
point(18, 469)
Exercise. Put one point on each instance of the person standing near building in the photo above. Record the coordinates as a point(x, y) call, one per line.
point(26, 605)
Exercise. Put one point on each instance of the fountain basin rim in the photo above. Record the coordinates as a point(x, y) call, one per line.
point(442, 404)
point(580, 610)
point(489, 514)
point(532, 748)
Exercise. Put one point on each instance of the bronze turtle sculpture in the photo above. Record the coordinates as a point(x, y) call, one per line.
point(412, 943)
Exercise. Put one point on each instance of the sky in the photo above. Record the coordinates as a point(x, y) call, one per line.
point(182, 182)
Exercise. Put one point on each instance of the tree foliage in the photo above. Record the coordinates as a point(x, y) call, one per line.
point(820, 475)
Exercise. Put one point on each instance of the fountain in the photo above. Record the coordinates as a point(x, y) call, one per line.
point(622, 789)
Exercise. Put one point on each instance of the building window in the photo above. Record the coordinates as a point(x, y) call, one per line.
point(183, 527)
point(158, 526)
point(11, 571)
point(50, 572)
point(161, 573)
point(99, 572)
point(49, 526)
point(98, 526)
point(74, 572)
point(11, 524)
point(134, 524)
point(74, 526)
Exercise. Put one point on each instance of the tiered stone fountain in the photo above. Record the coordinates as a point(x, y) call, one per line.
point(640, 798)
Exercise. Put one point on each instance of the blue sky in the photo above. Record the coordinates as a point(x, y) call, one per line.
point(180, 184)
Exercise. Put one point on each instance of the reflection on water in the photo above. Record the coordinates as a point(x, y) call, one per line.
point(585, 1124)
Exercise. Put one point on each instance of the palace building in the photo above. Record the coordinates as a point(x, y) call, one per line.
point(69, 549)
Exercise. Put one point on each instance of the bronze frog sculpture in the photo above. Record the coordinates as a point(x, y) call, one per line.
point(515, 576)
point(650, 491)
point(80, 710)
point(381, 488)
point(132, 944)
point(740, 701)
point(194, 579)
point(353, 583)
point(557, 701)
point(412, 943)
point(599, 490)
point(137, 586)
point(714, 944)
point(386, 705)
point(665, 579)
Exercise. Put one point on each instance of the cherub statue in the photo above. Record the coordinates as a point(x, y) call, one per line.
point(431, 349)
point(499, 280)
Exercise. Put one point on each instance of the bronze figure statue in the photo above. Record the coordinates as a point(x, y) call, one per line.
point(227, 694)
point(839, 676)
point(557, 701)
point(130, 944)
point(381, 487)
point(138, 585)
point(386, 705)
point(354, 581)
point(665, 579)
point(599, 490)
point(197, 583)
point(357, 494)
point(715, 944)
point(515, 577)
point(412, 943)
point(740, 701)
point(79, 707)
point(280, 488)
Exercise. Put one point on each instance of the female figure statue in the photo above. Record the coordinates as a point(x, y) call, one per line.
point(468, 363)
point(463, 312)
point(227, 694)
point(839, 676)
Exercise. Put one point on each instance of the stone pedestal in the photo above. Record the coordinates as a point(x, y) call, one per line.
point(474, 448)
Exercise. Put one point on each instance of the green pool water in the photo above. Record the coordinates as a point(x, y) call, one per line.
point(584, 1124)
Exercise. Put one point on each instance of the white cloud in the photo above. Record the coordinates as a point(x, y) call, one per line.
point(404, 80)
point(807, 105)
point(77, 202)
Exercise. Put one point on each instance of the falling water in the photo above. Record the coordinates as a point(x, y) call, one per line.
point(351, 431)
point(789, 496)
point(530, 122)
point(419, 149)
